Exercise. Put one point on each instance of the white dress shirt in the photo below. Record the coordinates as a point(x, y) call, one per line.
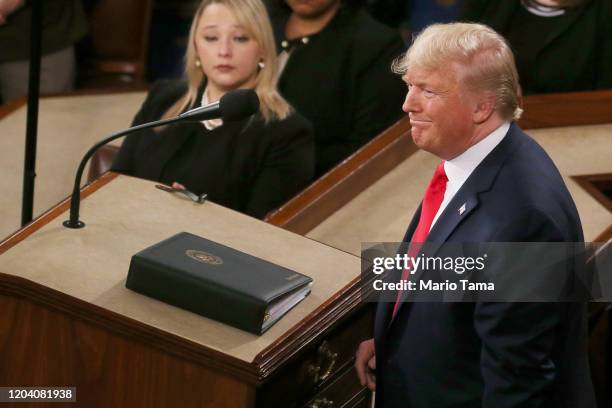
point(211, 123)
point(459, 169)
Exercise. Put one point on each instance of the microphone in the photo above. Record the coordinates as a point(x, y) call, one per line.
point(232, 106)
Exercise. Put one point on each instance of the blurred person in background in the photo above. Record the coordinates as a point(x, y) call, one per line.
point(412, 16)
point(560, 45)
point(63, 24)
point(335, 61)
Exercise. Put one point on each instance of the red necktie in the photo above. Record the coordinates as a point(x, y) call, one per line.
point(430, 206)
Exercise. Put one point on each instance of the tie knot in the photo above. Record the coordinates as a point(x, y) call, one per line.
point(439, 176)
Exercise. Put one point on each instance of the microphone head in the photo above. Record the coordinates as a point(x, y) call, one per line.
point(238, 104)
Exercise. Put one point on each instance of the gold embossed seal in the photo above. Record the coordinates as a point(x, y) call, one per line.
point(204, 257)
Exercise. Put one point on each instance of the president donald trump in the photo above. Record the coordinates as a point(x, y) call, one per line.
point(494, 184)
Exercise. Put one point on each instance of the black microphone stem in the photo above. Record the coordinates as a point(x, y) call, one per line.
point(75, 200)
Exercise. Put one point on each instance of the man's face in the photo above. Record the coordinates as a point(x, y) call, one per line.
point(440, 111)
point(311, 9)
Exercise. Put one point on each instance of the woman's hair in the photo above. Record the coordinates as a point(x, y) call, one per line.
point(484, 52)
point(252, 15)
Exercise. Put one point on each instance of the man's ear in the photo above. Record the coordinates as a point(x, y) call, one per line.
point(484, 106)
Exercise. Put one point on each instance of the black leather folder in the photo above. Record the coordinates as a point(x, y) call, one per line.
point(216, 281)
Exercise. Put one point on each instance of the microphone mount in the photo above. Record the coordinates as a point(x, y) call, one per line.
point(75, 200)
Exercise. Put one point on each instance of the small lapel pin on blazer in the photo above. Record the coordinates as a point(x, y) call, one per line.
point(462, 209)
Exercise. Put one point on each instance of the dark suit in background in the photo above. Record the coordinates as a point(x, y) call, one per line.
point(63, 24)
point(572, 52)
point(341, 80)
point(249, 166)
point(491, 355)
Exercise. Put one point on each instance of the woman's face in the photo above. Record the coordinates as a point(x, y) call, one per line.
point(227, 52)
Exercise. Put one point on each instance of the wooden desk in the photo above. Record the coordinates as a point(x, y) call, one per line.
point(68, 320)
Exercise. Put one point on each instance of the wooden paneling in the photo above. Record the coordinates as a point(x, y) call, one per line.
point(10, 107)
point(50, 339)
point(597, 185)
point(567, 109)
point(321, 365)
point(605, 236)
point(44, 347)
point(120, 54)
point(339, 393)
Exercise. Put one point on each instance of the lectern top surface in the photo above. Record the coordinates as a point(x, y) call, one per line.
point(128, 215)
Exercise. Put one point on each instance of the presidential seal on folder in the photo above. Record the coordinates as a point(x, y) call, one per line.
point(217, 282)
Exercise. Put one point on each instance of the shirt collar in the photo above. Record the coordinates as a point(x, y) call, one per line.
point(459, 169)
point(212, 123)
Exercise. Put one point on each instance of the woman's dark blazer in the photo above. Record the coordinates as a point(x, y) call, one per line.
point(342, 82)
point(576, 56)
point(249, 166)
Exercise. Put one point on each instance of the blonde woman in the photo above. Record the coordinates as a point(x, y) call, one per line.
point(253, 165)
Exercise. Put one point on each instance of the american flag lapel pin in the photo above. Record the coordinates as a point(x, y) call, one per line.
point(462, 209)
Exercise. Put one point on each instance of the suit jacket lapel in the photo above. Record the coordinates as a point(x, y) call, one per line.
point(463, 204)
point(413, 224)
point(458, 209)
point(165, 144)
point(465, 201)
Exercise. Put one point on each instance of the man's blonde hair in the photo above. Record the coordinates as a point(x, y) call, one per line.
point(252, 16)
point(486, 55)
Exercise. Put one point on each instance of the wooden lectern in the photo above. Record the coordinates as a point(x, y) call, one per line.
point(67, 319)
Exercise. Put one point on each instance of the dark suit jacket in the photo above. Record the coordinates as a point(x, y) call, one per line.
point(492, 354)
point(575, 56)
point(250, 166)
point(341, 81)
